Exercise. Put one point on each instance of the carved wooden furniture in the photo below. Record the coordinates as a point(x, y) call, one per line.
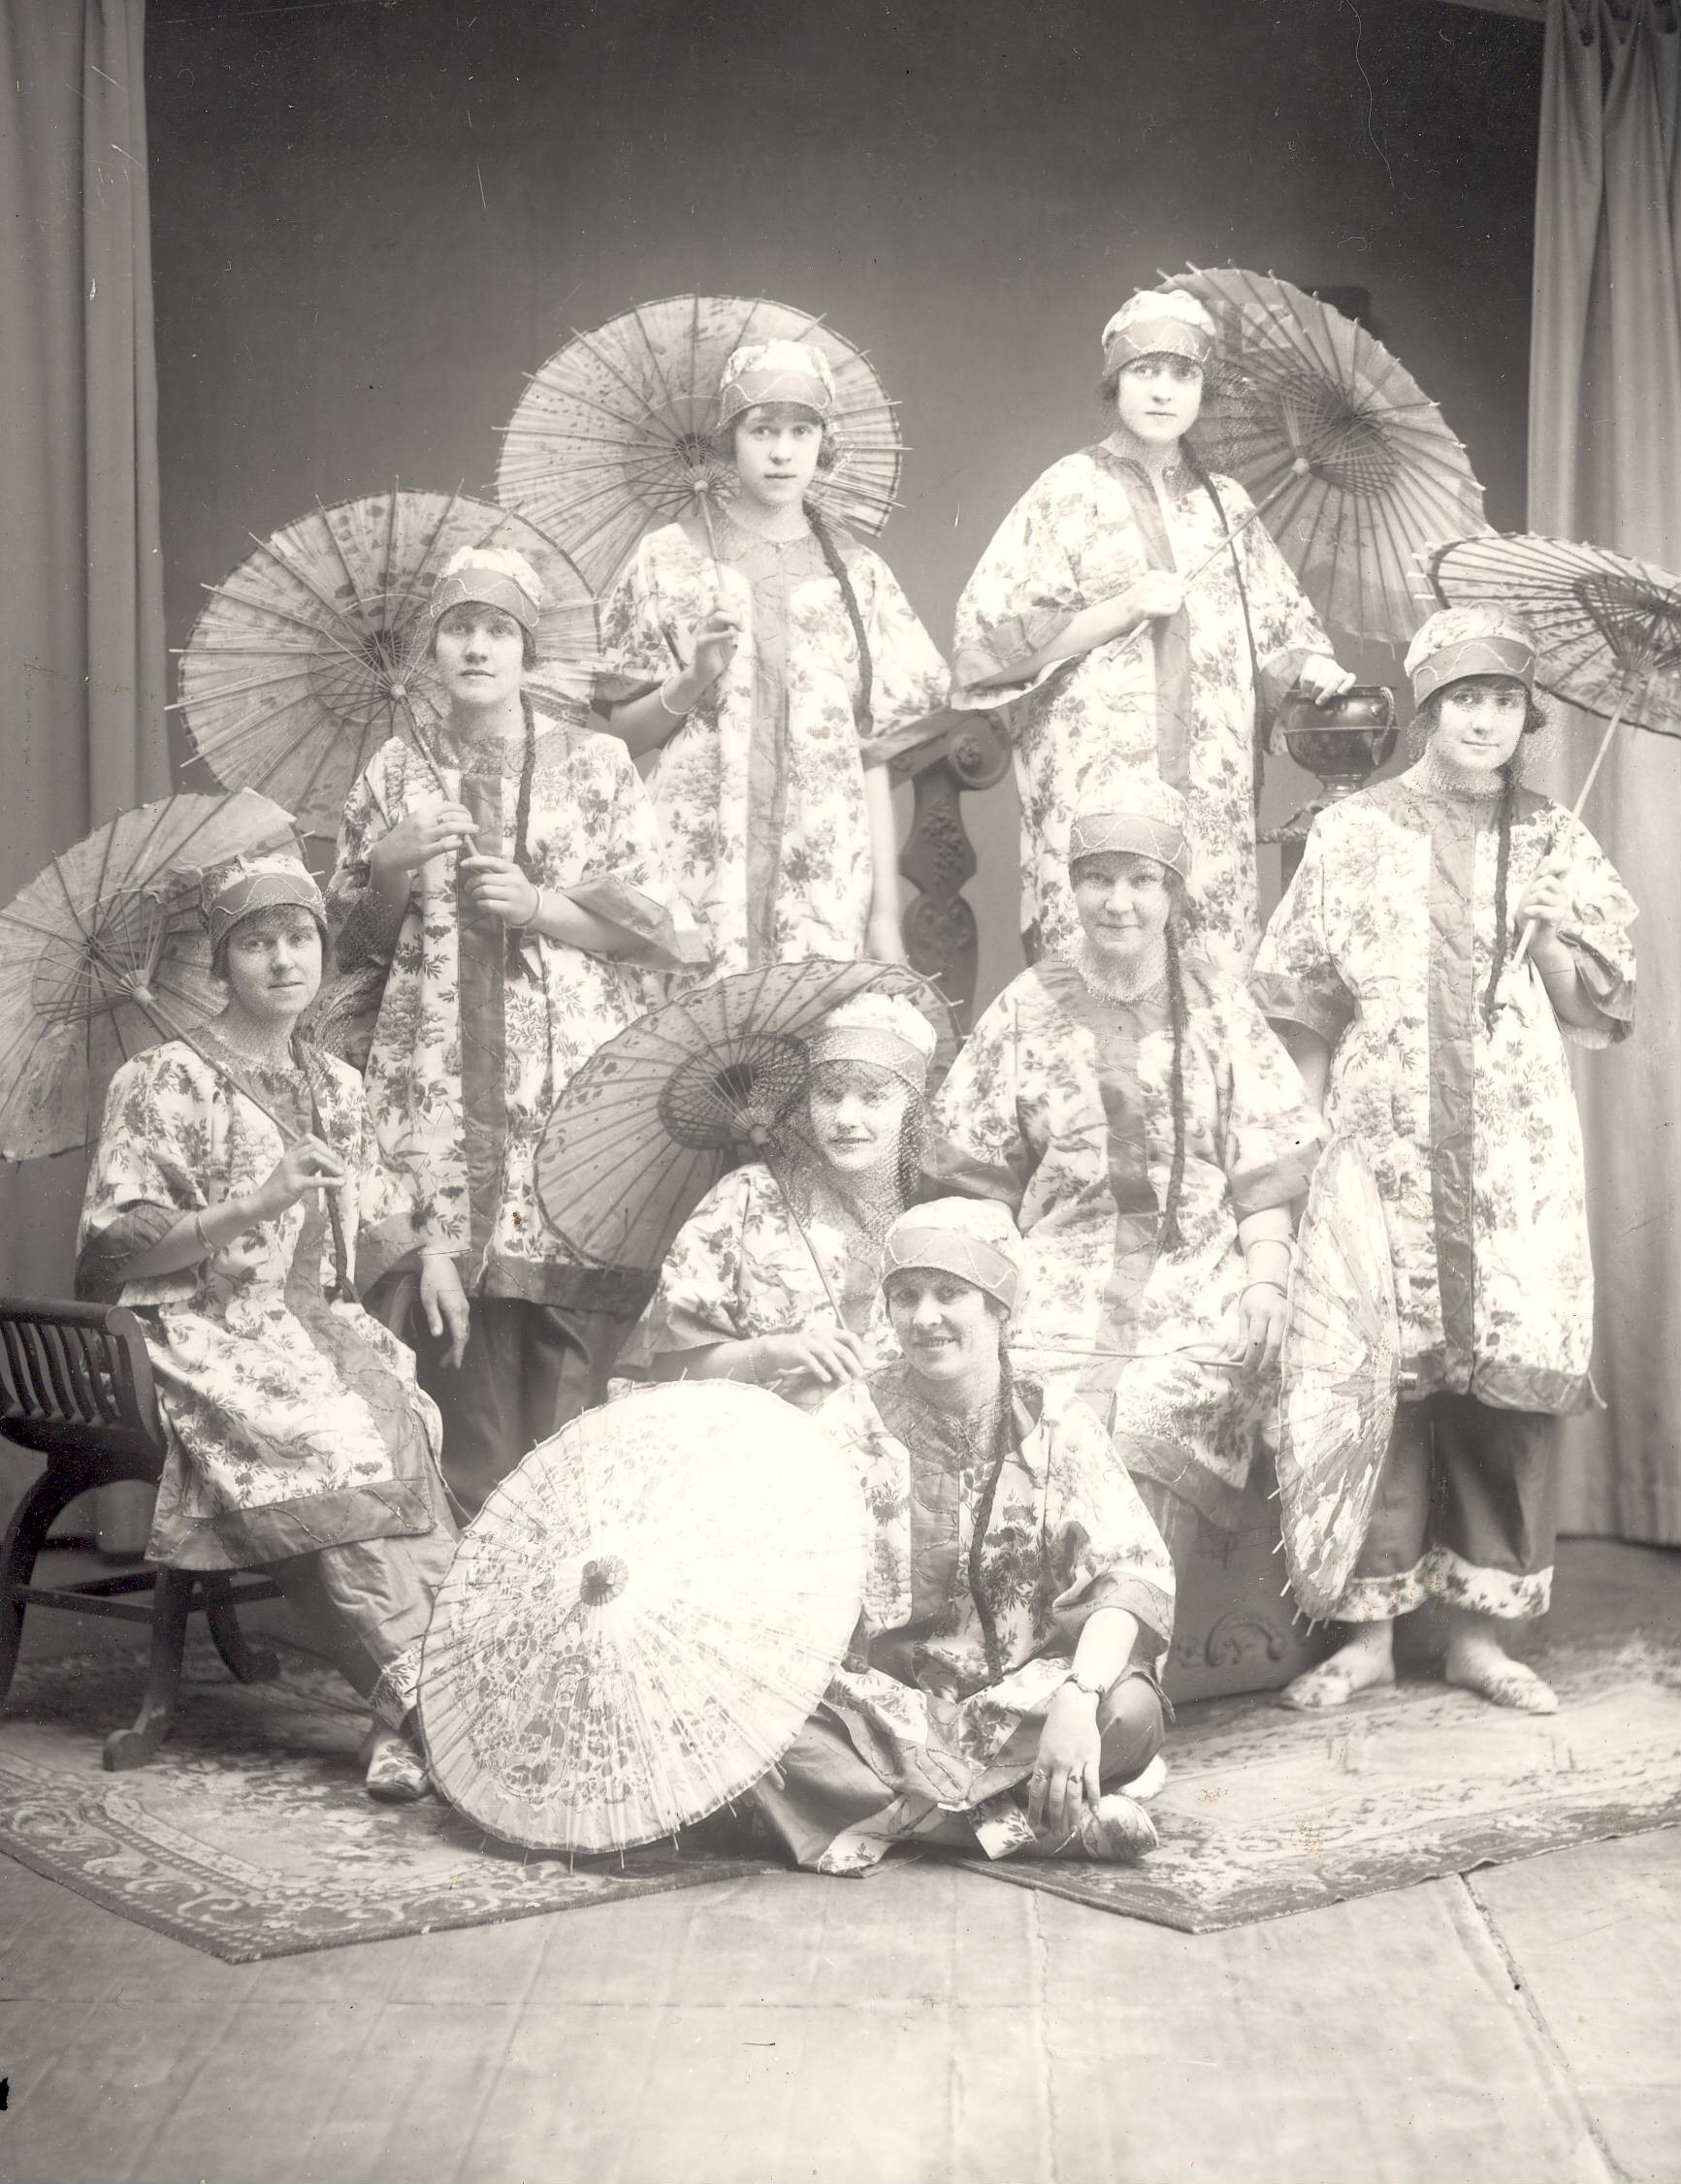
point(969, 752)
point(76, 1386)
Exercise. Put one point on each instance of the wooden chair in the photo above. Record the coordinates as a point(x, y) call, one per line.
point(76, 1385)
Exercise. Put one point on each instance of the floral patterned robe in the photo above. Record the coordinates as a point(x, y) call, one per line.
point(293, 1418)
point(1061, 1107)
point(1180, 701)
point(761, 791)
point(479, 1030)
point(1065, 1535)
point(1471, 1131)
point(740, 1267)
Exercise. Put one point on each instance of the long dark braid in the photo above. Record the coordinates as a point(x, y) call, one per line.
point(1169, 1236)
point(1508, 794)
point(1003, 1442)
point(837, 568)
point(523, 814)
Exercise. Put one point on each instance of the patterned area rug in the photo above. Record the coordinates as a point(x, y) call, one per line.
point(1267, 1811)
point(249, 1834)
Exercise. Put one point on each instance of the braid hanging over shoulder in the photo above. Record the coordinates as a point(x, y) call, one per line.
point(523, 816)
point(837, 568)
point(1501, 872)
point(1170, 1237)
point(1004, 1440)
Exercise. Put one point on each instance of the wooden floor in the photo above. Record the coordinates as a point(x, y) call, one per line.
point(1516, 2026)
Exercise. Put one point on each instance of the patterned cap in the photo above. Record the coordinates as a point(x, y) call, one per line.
point(973, 1238)
point(1462, 641)
point(1158, 322)
point(490, 576)
point(791, 372)
point(235, 891)
point(1139, 815)
point(884, 1028)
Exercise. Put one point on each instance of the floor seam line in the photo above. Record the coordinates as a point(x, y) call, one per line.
point(1543, 2031)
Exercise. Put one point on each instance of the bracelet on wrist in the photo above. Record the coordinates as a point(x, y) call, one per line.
point(1097, 1692)
point(526, 924)
point(1261, 1281)
point(676, 711)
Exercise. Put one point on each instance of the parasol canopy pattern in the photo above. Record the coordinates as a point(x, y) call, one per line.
point(612, 437)
point(658, 1114)
point(104, 955)
point(1352, 464)
point(641, 1617)
point(1341, 1374)
point(315, 650)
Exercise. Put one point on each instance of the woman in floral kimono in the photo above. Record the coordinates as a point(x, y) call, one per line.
point(1148, 1133)
point(740, 1296)
point(1100, 547)
point(775, 677)
point(1017, 1599)
point(1388, 964)
point(508, 966)
point(299, 1443)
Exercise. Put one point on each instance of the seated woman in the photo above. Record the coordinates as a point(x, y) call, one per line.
point(1151, 1135)
point(1016, 1601)
point(740, 1296)
point(775, 667)
point(299, 1443)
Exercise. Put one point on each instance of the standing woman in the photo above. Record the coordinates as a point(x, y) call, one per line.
point(1147, 1131)
point(511, 912)
point(1387, 965)
point(298, 1442)
point(740, 1296)
point(1098, 548)
point(774, 680)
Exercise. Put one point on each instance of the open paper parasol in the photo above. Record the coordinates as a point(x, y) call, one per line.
point(638, 1623)
point(659, 1114)
point(612, 438)
point(1341, 1374)
point(104, 954)
point(314, 651)
point(1607, 628)
point(1350, 462)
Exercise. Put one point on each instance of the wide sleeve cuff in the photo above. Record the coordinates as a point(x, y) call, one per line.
point(1148, 1604)
point(108, 1252)
point(1611, 992)
point(1282, 999)
point(1278, 1181)
point(661, 944)
point(991, 672)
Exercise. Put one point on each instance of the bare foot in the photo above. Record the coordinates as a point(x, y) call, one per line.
point(1363, 1663)
point(1476, 1662)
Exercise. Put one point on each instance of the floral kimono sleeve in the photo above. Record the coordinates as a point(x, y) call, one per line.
point(1598, 938)
point(154, 1150)
point(363, 929)
point(978, 1149)
point(1102, 1549)
point(908, 678)
point(1295, 978)
point(1273, 1134)
point(637, 649)
point(699, 1298)
point(626, 875)
point(1023, 594)
point(1285, 628)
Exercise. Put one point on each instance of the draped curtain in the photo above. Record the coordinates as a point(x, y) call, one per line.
point(82, 650)
point(1605, 464)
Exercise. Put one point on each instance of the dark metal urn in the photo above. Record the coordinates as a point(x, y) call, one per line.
point(1341, 744)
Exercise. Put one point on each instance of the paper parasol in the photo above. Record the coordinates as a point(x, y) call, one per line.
point(314, 651)
point(104, 954)
point(611, 438)
point(638, 1623)
point(1341, 1374)
point(659, 1114)
point(1607, 627)
point(1350, 462)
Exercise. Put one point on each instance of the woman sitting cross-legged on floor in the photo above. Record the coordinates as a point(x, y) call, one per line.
point(299, 1443)
point(1016, 1596)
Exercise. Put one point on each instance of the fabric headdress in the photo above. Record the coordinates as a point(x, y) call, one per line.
point(490, 576)
point(1158, 322)
point(973, 1238)
point(1462, 641)
point(791, 372)
point(234, 892)
point(884, 1028)
point(1141, 815)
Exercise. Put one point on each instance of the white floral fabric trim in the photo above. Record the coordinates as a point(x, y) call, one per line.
point(1441, 1574)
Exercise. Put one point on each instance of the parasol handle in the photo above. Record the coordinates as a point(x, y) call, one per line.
point(1611, 727)
point(155, 1014)
point(829, 1288)
point(1224, 548)
point(400, 693)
